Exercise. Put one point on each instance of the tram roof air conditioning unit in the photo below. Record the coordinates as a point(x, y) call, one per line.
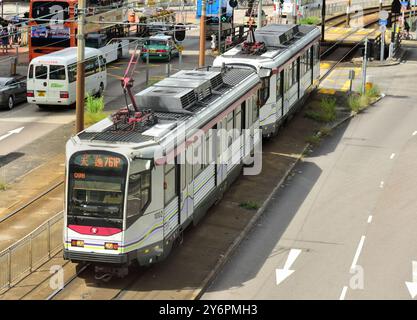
point(275, 35)
point(166, 99)
point(215, 77)
point(202, 87)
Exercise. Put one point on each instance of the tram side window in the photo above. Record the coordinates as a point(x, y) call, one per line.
point(169, 183)
point(238, 120)
point(279, 92)
point(255, 110)
point(139, 192)
point(264, 92)
point(198, 164)
point(294, 72)
point(316, 54)
point(288, 81)
point(208, 155)
point(229, 129)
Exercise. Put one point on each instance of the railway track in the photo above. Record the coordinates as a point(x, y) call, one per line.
point(32, 201)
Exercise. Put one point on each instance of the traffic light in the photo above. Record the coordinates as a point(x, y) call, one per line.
point(224, 17)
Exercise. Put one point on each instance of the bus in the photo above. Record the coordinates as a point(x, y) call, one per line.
point(51, 78)
point(53, 23)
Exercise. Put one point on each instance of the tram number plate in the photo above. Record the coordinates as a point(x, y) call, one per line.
point(41, 93)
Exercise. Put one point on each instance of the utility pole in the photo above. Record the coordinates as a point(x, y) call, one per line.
point(80, 92)
point(259, 23)
point(364, 66)
point(219, 46)
point(202, 56)
point(348, 13)
point(323, 19)
point(295, 12)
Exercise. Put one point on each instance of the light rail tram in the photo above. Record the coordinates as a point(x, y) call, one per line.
point(137, 179)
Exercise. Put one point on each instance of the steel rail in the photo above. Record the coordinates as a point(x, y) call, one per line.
point(30, 202)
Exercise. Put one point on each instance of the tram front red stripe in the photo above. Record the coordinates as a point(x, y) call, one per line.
point(96, 231)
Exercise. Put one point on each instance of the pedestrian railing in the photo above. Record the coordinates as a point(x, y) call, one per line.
point(29, 253)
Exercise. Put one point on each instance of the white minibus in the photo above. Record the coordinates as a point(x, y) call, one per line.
point(51, 78)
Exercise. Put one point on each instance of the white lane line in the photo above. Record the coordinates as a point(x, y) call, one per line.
point(392, 156)
point(369, 219)
point(343, 294)
point(381, 185)
point(414, 133)
point(358, 252)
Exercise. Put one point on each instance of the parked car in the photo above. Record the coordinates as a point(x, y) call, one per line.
point(159, 47)
point(12, 91)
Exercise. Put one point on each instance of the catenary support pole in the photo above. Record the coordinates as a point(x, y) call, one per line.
point(80, 91)
point(202, 54)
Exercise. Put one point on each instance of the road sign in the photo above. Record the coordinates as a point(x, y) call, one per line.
point(383, 15)
point(383, 28)
point(383, 22)
point(404, 3)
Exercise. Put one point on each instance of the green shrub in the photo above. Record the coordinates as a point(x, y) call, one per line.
point(354, 103)
point(3, 186)
point(373, 92)
point(325, 131)
point(328, 106)
point(94, 105)
point(325, 112)
point(250, 205)
point(310, 20)
point(94, 110)
point(314, 140)
point(358, 102)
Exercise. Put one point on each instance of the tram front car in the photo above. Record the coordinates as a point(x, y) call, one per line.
point(107, 193)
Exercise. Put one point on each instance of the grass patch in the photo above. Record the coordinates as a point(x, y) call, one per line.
point(250, 205)
point(310, 20)
point(314, 140)
point(325, 131)
point(324, 112)
point(3, 186)
point(94, 110)
point(358, 102)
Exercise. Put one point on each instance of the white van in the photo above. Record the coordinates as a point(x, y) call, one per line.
point(52, 77)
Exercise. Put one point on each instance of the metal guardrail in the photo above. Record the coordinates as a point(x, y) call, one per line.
point(30, 252)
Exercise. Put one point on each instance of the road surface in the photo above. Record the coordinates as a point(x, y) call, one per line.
point(350, 209)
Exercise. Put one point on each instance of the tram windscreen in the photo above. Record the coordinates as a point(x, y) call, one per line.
point(96, 185)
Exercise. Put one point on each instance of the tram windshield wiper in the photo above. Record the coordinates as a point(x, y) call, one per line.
point(95, 210)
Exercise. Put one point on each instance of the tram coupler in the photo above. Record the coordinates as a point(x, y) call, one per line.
point(105, 273)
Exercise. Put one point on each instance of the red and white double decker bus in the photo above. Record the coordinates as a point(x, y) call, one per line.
point(53, 23)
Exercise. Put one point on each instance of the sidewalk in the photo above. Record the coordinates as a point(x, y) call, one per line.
point(7, 59)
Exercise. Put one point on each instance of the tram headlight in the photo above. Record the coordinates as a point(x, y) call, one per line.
point(111, 246)
point(77, 243)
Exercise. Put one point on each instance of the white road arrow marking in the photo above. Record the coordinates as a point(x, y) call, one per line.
point(282, 274)
point(412, 286)
point(18, 130)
